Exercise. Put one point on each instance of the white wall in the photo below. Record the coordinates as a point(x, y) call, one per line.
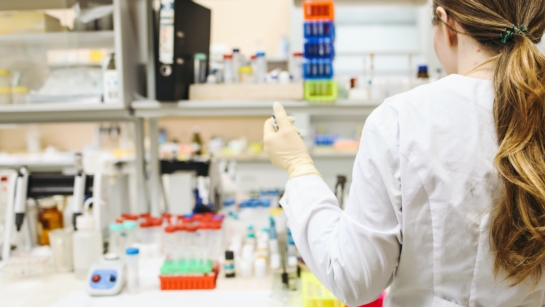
point(247, 24)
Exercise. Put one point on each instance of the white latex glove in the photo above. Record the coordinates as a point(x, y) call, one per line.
point(285, 147)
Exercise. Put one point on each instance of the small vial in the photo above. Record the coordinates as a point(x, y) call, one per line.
point(237, 59)
point(200, 63)
point(133, 283)
point(228, 72)
point(261, 65)
point(229, 264)
point(297, 67)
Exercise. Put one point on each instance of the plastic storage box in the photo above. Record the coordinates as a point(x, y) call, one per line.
point(319, 10)
point(319, 48)
point(321, 90)
point(319, 29)
point(190, 282)
point(318, 69)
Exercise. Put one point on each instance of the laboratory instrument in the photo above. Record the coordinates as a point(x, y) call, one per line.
point(106, 276)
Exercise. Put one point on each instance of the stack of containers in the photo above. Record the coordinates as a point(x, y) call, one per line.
point(319, 52)
point(192, 246)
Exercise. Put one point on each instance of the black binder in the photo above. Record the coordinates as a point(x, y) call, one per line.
point(191, 35)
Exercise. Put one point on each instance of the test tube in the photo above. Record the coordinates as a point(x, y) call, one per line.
point(216, 236)
point(156, 231)
point(145, 233)
point(133, 283)
point(130, 228)
point(202, 243)
point(171, 243)
point(192, 245)
point(182, 244)
point(116, 244)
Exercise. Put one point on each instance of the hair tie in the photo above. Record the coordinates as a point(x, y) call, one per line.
point(509, 33)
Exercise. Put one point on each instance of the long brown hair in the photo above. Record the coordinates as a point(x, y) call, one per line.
point(518, 225)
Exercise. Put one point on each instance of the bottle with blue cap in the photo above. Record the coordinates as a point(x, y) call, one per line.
point(261, 67)
point(133, 282)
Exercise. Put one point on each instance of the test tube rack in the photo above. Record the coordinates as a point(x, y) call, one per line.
point(319, 51)
point(190, 282)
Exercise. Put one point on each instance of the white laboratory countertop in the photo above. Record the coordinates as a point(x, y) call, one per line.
point(64, 290)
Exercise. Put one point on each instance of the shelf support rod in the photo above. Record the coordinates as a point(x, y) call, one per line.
point(156, 186)
point(140, 164)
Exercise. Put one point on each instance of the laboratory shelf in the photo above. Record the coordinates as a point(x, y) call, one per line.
point(63, 112)
point(15, 5)
point(56, 40)
point(227, 108)
point(315, 154)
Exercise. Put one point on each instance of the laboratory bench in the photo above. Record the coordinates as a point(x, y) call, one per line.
point(64, 290)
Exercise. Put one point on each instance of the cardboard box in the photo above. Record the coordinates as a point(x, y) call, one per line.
point(246, 91)
point(12, 22)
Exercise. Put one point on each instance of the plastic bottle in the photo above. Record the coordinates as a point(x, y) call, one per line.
point(261, 65)
point(250, 236)
point(247, 261)
point(229, 264)
point(237, 59)
point(116, 244)
point(228, 72)
point(87, 245)
point(291, 270)
point(133, 280)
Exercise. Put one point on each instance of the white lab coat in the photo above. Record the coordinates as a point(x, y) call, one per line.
point(418, 215)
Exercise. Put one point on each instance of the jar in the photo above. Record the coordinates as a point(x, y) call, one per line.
point(49, 218)
point(5, 95)
point(245, 74)
point(19, 94)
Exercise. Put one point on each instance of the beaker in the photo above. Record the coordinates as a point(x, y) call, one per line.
point(60, 241)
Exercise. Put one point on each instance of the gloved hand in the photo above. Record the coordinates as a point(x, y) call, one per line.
point(285, 147)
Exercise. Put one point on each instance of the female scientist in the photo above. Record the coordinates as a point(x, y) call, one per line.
point(447, 204)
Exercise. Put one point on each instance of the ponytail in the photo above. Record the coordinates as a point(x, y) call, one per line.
point(518, 226)
point(518, 219)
